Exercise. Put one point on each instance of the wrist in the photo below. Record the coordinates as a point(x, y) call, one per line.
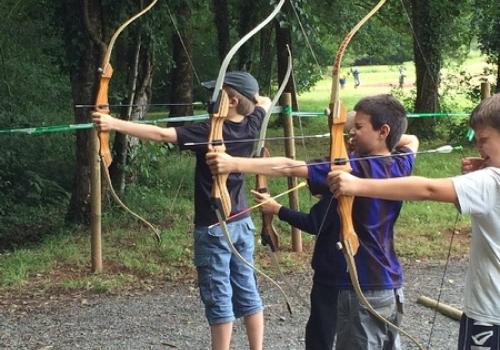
point(237, 166)
point(277, 209)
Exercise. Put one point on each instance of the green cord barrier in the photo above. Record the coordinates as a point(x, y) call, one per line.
point(434, 115)
point(48, 129)
point(278, 109)
point(470, 134)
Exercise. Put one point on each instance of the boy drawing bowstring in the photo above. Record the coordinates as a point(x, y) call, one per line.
point(477, 193)
point(220, 197)
point(349, 242)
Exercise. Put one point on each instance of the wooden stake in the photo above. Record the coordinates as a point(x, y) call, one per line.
point(293, 197)
point(95, 202)
point(446, 310)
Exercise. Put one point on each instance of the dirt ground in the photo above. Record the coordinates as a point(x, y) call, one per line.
point(171, 316)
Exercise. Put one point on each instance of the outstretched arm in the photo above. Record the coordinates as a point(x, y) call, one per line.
point(105, 122)
point(223, 163)
point(401, 188)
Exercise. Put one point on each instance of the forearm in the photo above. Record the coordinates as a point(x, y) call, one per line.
point(273, 166)
point(410, 141)
point(408, 188)
point(145, 132)
point(297, 219)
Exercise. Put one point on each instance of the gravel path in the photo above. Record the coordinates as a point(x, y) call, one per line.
point(172, 317)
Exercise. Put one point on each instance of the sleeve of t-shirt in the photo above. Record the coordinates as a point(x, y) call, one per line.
point(316, 176)
point(478, 191)
point(198, 132)
point(256, 118)
point(406, 160)
point(192, 133)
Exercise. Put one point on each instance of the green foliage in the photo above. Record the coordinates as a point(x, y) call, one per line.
point(487, 22)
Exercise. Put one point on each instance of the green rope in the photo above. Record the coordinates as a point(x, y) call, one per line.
point(191, 118)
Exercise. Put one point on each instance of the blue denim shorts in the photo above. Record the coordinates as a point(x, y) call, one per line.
point(228, 287)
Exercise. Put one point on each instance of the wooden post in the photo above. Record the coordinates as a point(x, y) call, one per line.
point(445, 309)
point(293, 197)
point(485, 90)
point(95, 202)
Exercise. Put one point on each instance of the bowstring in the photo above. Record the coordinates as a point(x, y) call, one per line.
point(445, 271)
point(306, 36)
point(415, 37)
point(183, 44)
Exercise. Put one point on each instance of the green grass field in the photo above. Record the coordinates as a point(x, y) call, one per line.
point(61, 263)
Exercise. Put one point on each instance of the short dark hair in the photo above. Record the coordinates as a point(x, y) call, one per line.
point(487, 113)
point(385, 109)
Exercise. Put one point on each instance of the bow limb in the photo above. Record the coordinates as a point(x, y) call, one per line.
point(269, 235)
point(106, 72)
point(218, 109)
point(102, 105)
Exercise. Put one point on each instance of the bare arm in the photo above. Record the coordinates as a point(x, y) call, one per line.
point(401, 188)
point(105, 122)
point(223, 163)
point(409, 141)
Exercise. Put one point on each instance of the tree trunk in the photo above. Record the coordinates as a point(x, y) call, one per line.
point(121, 144)
point(265, 68)
point(248, 20)
point(221, 17)
point(84, 56)
point(182, 74)
point(428, 61)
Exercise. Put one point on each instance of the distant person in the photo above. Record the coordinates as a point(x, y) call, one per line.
point(355, 75)
point(402, 75)
point(342, 81)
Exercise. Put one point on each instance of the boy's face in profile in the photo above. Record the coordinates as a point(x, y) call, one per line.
point(364, 139)
point(488, 145)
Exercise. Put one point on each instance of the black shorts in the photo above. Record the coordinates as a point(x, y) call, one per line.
point(478, 335)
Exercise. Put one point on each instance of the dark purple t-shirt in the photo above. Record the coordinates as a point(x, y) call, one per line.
point(377, 264)
point(248, 128)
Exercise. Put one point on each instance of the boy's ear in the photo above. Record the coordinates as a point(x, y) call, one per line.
point(385, 130)
point(234, 102)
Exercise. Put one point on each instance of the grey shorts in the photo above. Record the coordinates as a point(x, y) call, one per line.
point(357, 329)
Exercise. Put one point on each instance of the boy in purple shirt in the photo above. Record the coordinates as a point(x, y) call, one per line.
point(477, 193)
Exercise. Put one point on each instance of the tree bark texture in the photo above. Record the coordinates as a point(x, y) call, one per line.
point(248, 20)
point(221, 19)
point(265, 67)
point(428, 62)
point(85, 56)
point(182, 74)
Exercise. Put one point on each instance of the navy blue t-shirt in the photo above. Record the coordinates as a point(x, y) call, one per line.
point(248, 128)
point(377, 264)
